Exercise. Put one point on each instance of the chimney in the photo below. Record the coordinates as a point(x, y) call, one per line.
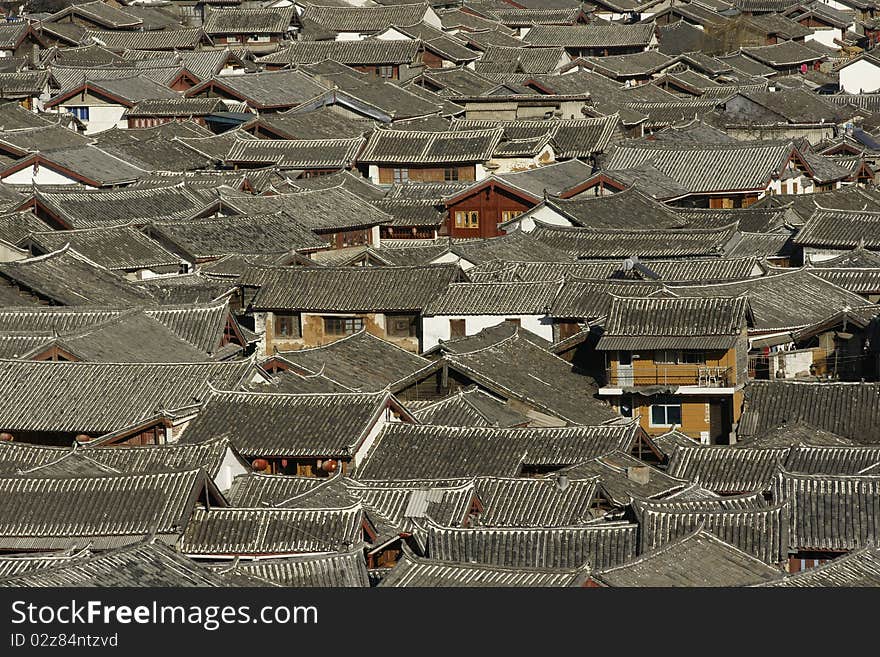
point(562, 482)
point(641, 474)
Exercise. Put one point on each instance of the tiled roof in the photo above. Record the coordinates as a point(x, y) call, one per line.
point(569, 137)
point(365, 19)
point(61, 396)
point(841, 229)
point(514, 59)
point(762, 533)
point(745, 166)
point(266, 90)
point(95, 510)
point(349, 289)
point(413, 571)
point(295, 153)
point(783, 301)
point(256, 532)
point(67, 278)
point(219, 236)
point(618, 244)
point(252, 21)
point(851, 410)
point(783, 54)
point(117, 40)
point(367, 51)
point(858, 568)
point(600, 545)
point(332, 570)
point(119, 248)
point(142, 564)
point(591, 36)
point(830, 512)
point(495, 299)
point(289, 426)
point(412, 147)
point(697, 559)
point(411, 451)
point(518, 368)
point(674, 323)
point(360, 362)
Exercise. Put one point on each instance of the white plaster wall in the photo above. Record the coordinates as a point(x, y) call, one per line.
point(541, 213)
point(230, 468)
point(101, 117)
point(11, 253)
point(860, 76)
point(44, 176)
point(790, 363)
point(825, 36)
point(436, 328)
point(376, 429)
point(260, 329)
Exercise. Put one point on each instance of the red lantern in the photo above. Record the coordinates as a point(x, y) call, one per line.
point(329, 466)
point(260, 464)
point(283, 463)
point(82, 438)
point(6, 437)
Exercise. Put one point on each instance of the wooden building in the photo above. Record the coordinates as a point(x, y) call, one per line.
point(677, 362)
point(401, 156)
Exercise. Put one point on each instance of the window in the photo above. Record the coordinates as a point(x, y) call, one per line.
point(456, 328)
point(693, 357)
point(509, 215)
point(401, 326)
point(467, 219)
point(82, 113)
point(450, 174)
point(666, 413)
point(667, 357)
point(258, 38)
point(287, 326)
point(401, 176)
point(385, 71)
point(342, 325)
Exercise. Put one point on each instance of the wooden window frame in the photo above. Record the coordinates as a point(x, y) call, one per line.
point(288, 326)
point(342, 325)
point(467, 219)
point(411, 329)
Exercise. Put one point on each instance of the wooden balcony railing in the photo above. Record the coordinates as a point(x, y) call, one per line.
point(704, 376)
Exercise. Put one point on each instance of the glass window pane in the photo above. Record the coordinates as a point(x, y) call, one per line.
point(658, 414)
point(673, 415)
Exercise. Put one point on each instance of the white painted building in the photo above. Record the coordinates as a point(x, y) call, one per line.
point(861, 75)
point(465, 309)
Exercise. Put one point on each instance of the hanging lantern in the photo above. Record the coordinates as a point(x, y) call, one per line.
point(82, 438)
point(6, 437)
point(283, 463)
point(329, 466)
point(260, 464)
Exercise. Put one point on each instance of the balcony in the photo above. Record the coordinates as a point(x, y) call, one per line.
point(703, 376)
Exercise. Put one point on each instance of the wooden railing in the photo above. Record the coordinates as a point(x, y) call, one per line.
point(705, 376)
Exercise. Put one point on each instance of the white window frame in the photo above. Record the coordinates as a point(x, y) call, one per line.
point(665, 414)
